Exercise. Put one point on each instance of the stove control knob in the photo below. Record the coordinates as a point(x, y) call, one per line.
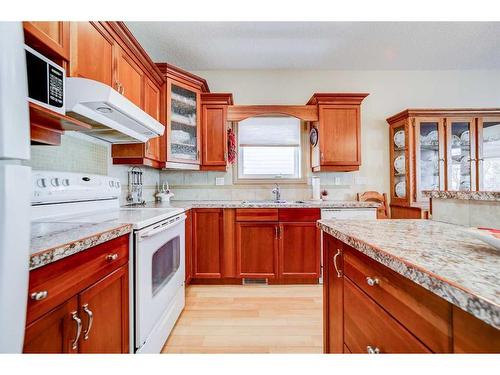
point(111, 183)
point(65, 182)
point(54, 182)
point(117, 184)
point(41, 183)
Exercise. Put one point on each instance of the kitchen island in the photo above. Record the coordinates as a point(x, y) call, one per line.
point(420, 279)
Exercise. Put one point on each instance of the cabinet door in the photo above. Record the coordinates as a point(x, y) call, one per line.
point(429, 155)
point(214, 135)
point(339, 135)
point(91, 52)
point(183, 123)
point(399, 140)
point(189, 247)
point(461, 154)
point(103, 308)
point(257, 249)
point(489, 154)
point(369, 329)
point(333, 295)
point(299, 250)
point(48, 37)
point(207, 243)
point(152, 104)
point(129, 77)
point(54, 332)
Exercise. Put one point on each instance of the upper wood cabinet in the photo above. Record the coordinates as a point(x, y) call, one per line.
point(214, 130)
point(51, 38)
point(339, 132)
point(92, 52)
point(129, 77)
point(183, 117)
point(441, 149)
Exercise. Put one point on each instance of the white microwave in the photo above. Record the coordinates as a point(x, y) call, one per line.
point(46, 81)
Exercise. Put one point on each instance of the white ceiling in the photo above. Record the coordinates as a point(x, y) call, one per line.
point(322, 45)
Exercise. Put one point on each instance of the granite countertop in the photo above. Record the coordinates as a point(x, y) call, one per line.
point(51, 241)
point(438, 256)
point(262, 204)
point(464, 195)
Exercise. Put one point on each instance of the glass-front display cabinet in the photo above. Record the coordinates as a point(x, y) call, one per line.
point(440, 149)
point(488, 152)
point(183, 123)
point(182, 138)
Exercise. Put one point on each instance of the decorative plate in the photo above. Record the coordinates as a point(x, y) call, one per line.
point(399, 138)
point(400, 189)
point(465, 137)
point(313, 137)
point(399, 164)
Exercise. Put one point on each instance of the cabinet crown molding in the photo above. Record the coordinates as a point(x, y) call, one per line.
point(173, 72)
point(216, 98)
point(337, 98)
point(443, 112)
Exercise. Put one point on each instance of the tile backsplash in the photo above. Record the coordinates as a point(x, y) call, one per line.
point(82, 154)
point(201, 186)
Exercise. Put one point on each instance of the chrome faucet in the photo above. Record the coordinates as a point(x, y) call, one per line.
point(277, 193)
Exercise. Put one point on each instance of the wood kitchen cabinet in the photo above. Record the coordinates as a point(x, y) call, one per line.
point(214, 128)
point(257, 245)
point(55, 332)
point(440, 149)
point(369, 308)
point(129, 77)
point(208, 241)
point(182, 139)
point(50, 38)
point(338, 146)
point(333, 295)
point(84, 306)
point(92, 52)
point(104, 313)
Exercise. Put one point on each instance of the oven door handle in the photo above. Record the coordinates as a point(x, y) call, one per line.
point(162, 228)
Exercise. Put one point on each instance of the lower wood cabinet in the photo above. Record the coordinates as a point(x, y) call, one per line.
point(55, 332)
point(299, 250)
point(282, 245)
point(368, 308)
point(207, 242)
point(86, 308)
point(257, 249)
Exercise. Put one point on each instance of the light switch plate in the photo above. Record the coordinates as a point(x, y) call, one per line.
point(219, 181)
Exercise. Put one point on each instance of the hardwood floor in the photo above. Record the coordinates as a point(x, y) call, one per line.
point(249, 319)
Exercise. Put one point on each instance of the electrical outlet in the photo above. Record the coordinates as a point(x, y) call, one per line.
point(219, 181)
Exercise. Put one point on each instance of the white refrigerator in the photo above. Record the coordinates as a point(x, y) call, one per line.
point(15, 187)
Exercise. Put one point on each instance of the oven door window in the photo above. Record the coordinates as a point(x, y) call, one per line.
point(165, 264)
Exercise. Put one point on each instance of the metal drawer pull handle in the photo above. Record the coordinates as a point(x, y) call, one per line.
point(111, 257)
point(78, 321)
point(372, 281)
point(339, 272)
point(372, 350)
point(38, 296)
point(91, 320)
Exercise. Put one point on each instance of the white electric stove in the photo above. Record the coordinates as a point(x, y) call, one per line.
point(157, 252)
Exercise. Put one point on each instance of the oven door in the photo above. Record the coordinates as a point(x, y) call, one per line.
point(159, 265)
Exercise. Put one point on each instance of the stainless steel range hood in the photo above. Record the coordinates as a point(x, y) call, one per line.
point(113, 117)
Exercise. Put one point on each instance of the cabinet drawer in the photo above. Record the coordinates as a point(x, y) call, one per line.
point(66, 277)
point(256, 214)
point(423, 313)
point(368, 327)
point(299, 214)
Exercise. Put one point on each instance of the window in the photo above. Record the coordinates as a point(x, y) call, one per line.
point(269, 148)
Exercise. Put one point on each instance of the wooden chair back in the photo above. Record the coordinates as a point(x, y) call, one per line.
point(374, 196)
